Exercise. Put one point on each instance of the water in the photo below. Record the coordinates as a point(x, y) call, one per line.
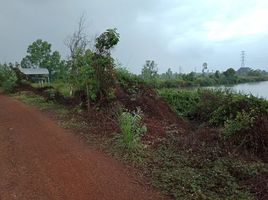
point(259, 89)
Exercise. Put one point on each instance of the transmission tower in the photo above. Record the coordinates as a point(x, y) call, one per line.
point(243, 58)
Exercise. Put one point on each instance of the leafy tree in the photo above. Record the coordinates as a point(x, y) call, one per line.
point(26, 63)
point(217, 74)
point(229, 73)
point(254, 73)
point(92, 71)
point(40, 55)
point(189, 77)
point(169, 74)
point(103, 63)
point(149, 71)
point(106, 41)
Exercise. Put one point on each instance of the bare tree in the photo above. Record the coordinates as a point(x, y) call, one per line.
point(77, 44)
point(79, 40)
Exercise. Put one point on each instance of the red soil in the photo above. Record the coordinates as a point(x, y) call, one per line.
point(39, 160)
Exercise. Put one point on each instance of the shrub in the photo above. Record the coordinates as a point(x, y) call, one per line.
point(128, 81)
point(8, 79)
point(132, 129)
point(183, 102)
point(242, 122)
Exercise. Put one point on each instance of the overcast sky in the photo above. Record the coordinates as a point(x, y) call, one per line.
point(174, 33)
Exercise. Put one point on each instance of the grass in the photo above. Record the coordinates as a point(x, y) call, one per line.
point(128, 141)
point(34, 100)
point(59, 86)
point(186, 176)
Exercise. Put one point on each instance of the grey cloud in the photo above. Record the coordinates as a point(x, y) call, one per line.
point(170, 32)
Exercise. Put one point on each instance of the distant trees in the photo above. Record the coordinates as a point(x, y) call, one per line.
point(149, 71)
point(169, 74)
point(229, 73)
point(205, 67)
point(217, 74)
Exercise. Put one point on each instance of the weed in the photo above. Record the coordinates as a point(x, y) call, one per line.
point(131, 128)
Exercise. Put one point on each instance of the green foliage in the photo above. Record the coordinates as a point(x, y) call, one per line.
point(40, 55)
point(34, 100)
point(132, 129)
point(229, 73)
point(183, 102)
point(149, 71)
point(213, 106)
point(127, 80)
point(93, 71)
point(8, 79)
point(186, 176)
point(242, 122)
point(230, 76)
point(106, 41)
point(239, 115)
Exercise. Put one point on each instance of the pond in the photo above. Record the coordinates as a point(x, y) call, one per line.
point(259, 89)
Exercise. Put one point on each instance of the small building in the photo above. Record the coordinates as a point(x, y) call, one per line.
point(40, 75)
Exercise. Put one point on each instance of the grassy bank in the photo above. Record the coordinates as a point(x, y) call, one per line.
point(194, 165)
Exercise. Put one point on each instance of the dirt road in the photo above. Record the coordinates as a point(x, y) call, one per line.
point(39, 160)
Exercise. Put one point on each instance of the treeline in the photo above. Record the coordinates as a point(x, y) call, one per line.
point(170, 79)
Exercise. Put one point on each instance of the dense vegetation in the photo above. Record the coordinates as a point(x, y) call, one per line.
point(8, 78)
point(240, 115)
point(178, 80)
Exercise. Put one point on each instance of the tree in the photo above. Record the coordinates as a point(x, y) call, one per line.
point(103, 63)
point(149, 71)
point(106, 41)
point(205, 66)
point(57, 66)
point(217, 74)
point(39, 53)
point(169, 74)
point(77, 44)
point(40, 56)
point(229, 73)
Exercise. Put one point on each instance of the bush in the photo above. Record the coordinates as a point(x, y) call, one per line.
point(242, 117)
point(132, 129)
point(183, 102)
point(8, 79)
point(242, 122)
point(128, 81)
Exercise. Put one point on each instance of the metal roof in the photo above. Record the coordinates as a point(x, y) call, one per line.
point(34, 71)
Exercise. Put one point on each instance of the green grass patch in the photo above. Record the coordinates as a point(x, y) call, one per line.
point(34, 100)
point(188, 176)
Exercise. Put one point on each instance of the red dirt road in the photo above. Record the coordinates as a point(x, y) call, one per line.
point(39, 160)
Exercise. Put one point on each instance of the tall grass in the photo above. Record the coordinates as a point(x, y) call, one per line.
point(131, 130)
